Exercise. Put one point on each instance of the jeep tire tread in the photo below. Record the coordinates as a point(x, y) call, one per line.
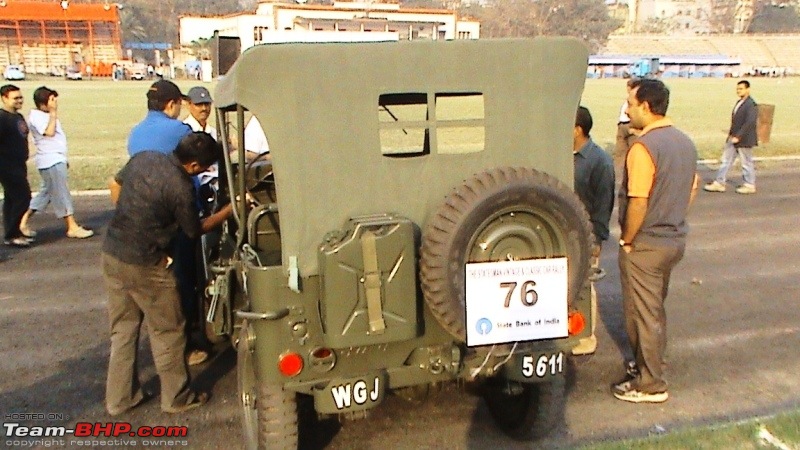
point(269, 413)
point(531, 414)
point(522, 213)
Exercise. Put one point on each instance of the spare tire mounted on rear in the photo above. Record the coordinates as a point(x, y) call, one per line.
point(503, 214)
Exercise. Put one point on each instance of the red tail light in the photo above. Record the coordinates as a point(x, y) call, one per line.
point(290, 364)
point(576, 323)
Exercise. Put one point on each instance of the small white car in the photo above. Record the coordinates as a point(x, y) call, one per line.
point(73, 73)
point(14, 73)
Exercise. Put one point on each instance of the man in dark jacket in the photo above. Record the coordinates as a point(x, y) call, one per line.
point(154, 197)
point(741, 139)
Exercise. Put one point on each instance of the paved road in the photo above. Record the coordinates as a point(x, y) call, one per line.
point(734, 330)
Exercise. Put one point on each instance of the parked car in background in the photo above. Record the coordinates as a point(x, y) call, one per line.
point(138, 72)
point(14, 72)
point(74, 73)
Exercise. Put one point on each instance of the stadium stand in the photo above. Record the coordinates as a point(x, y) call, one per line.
point(47, 37)
point(765, 51)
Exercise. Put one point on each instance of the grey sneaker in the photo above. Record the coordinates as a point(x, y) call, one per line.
point(597, 274)
point(196, 399)
point(626, 392)
point(715, 186)
point(18, 242)
point(27, 232)
point(746, 188)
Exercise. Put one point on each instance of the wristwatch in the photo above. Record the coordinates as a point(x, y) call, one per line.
point(622, 243)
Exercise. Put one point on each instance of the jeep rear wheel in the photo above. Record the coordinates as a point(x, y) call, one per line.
point(525, 411)
point(269, 413)
point(502, 214)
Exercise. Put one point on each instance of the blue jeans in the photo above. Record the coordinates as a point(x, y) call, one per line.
point(746, 157)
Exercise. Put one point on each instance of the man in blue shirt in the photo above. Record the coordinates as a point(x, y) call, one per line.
point(160, 130)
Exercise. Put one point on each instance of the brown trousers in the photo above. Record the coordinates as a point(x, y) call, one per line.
point(645, 273)
point(136, 294)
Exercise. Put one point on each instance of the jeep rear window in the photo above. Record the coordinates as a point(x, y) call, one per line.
point(411, 126)
point(459, 123)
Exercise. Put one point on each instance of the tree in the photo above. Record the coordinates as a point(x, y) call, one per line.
point(658, 25)
point(585, 19)
point(157, 20)
point(775, 18)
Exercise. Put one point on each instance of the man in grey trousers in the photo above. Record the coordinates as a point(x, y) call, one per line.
point(659, 183)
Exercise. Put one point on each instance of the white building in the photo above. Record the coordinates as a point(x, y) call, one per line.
point(344, 21)
point(682, 16)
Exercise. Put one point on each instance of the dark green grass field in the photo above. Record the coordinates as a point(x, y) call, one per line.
point(97, 116)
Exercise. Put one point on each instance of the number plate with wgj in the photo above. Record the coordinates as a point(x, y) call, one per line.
point(352, 394)
point(510, 301)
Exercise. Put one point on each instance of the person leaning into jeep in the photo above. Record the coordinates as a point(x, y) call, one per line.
point(154, 197)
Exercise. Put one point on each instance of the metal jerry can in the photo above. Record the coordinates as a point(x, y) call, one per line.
point(369, 282)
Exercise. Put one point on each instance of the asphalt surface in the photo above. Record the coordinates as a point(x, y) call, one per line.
point(734, 331)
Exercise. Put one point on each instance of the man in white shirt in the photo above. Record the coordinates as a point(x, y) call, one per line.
point(625, 134)
point(51, 160)
point(255, 141)
point(199, 110)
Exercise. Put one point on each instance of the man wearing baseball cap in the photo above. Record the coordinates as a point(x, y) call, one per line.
point(160, 130)
point(199, 110)
point(200, 101)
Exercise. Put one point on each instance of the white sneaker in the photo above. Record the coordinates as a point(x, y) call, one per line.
point(80, 233)
point(746, 188)
point(715, 186)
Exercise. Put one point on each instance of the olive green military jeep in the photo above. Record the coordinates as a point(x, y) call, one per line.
point(414, 223)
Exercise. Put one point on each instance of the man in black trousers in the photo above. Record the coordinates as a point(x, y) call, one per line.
point(13, 171)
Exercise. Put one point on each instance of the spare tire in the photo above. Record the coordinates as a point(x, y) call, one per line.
point(508, 213)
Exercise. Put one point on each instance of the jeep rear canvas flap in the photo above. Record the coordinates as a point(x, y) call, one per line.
point(320, 107)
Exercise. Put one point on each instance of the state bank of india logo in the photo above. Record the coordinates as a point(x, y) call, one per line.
point(484, 326)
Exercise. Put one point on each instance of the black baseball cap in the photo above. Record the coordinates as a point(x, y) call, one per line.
point(164, 91)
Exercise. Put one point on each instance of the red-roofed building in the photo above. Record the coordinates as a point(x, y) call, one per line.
point(48, 37)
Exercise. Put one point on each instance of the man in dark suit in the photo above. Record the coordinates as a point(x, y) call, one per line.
point(741, 139)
